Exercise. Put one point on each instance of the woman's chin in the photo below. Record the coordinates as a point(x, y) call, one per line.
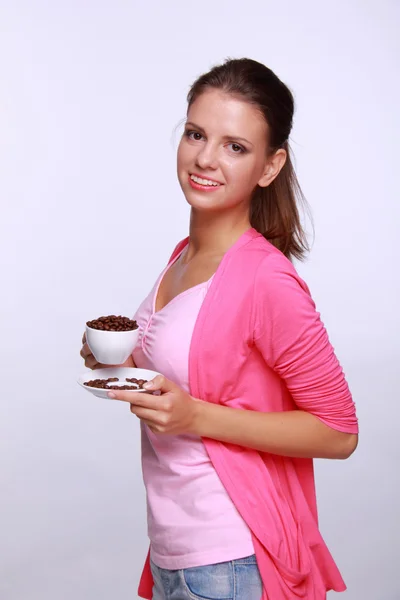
point(203, 205)
point(203, 200)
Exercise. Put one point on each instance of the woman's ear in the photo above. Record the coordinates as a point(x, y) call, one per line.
point(273, 166)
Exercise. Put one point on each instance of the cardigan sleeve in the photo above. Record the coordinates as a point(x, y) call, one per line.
point(293, 341)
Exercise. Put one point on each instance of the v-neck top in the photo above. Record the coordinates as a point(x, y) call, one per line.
point(191, 518)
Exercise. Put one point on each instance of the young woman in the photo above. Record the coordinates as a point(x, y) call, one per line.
point(251, 390)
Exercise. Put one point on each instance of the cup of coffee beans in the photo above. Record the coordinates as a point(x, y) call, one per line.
point(112, 338)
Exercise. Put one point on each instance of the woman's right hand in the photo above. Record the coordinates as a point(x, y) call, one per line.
point(91, 362)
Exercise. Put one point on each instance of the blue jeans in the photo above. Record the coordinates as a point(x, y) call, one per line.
point(233, 580)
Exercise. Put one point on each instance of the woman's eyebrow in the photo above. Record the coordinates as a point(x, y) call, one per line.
point(225, 137)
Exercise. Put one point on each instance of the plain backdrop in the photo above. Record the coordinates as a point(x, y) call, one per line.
point(90, 94)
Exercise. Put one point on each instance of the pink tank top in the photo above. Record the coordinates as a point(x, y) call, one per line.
point(191, 519)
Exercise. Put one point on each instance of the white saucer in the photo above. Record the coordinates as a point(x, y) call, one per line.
point(120, 372)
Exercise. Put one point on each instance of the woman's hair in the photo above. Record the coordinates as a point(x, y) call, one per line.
point(274, 209)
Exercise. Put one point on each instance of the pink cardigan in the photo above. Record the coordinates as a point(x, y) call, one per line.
point(259, 344)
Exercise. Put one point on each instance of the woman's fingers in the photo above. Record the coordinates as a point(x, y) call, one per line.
point(91, 362)
point(147, 414)
point(85, 352)
point(148, 401)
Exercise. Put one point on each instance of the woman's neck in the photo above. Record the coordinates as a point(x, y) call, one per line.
point(213, 234)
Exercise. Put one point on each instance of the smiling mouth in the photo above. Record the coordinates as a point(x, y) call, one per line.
point(203, 181)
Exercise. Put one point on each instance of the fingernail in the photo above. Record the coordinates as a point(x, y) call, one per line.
point(111, 395)
point(148, 385)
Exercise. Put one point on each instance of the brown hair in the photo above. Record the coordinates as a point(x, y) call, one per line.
point(274, 209)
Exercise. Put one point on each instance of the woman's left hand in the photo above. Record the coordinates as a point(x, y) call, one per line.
point(172, 412)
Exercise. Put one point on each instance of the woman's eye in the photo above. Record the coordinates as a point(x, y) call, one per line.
point(189, 134)
point(237, 149)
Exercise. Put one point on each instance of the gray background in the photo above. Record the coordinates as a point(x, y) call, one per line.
point(90, 93)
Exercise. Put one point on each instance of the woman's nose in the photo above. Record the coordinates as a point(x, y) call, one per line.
point(207, 157)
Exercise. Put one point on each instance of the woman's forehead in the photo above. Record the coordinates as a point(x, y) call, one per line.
point(222, 113)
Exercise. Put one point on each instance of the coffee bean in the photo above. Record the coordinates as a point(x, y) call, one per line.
point(105, 384)
point(122, 387)
point(113, 323)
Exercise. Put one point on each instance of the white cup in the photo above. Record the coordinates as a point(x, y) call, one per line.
point(111, 347)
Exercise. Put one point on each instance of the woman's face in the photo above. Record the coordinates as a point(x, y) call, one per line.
point(224, 142)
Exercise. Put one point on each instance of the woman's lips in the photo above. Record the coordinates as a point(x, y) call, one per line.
point(200, 176)
point(204, 188)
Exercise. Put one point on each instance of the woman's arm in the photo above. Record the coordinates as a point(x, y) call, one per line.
point(292, 433)
point(293, 342)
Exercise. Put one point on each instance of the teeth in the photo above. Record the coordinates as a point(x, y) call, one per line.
point(203, 181)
